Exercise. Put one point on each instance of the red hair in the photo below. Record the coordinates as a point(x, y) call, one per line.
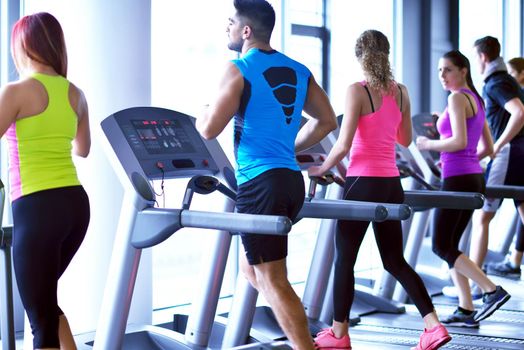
point(40, 37)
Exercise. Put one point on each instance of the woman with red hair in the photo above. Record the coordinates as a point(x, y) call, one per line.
point(45, 120)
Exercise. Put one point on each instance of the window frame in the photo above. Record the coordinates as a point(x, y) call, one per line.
point(10, 12)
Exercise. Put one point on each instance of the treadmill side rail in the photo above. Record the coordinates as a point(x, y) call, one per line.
point(443, 199)
point(513, 192)
point(343, 210)
point(237, 222)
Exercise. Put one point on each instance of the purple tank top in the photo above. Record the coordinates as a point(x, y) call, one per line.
point(464, 161)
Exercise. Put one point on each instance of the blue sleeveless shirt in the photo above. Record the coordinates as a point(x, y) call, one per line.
point(268, 119)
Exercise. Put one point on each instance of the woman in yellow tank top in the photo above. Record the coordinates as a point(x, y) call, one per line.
point(45, 120)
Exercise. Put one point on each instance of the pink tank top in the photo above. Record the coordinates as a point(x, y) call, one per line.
point(373, 149)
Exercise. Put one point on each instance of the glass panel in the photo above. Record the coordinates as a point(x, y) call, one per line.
point(307, 12)
point(9, 14)
point(344, 69)
point(187, 61)
point(512, 37)
point(350, 22)
point(473, 12)
point(308, 51)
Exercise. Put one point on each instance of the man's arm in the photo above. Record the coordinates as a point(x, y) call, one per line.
point(219, 113)
point(323, 118)
point(352, 111)
point(515, 123)
point(485, 146)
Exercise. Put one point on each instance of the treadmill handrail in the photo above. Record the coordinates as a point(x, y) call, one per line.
point(425, 199)
point(6, 239)
point(155, 225)
point(512, 192)
point(345, 210)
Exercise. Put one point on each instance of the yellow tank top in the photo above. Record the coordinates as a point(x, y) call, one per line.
point(40, 145)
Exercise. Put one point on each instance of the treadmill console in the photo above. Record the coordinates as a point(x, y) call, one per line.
point(163, 143)
point(425, 125)
point(406, 163)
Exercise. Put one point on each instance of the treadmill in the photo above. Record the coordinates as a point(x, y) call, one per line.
point(320, 276)
point(147, 144)
point(422, 167)
point(500, 331)
point(404, 329)
point(512, 312)
point(7, 327)
point(424, 125)
point(378, 297)
point(153, 143)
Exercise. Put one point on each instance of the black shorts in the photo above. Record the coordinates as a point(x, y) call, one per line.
point(275, 192)
point(506, 169)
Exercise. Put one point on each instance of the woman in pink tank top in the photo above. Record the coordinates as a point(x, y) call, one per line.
point(462, 125)
point(377, 116)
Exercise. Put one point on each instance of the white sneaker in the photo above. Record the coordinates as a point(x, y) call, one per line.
point(451, 292)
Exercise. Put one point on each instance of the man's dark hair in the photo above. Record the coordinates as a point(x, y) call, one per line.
point(259, 15)
point(489, 46)
point(517, 64)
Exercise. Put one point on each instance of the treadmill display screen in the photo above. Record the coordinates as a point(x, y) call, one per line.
point(163, 136)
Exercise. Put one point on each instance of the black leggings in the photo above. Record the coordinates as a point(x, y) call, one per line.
point(388, 235)
point(49, 227)
point(449, 224)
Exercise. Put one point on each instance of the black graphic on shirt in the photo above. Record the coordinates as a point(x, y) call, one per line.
point(240, 116)
point(283, 81)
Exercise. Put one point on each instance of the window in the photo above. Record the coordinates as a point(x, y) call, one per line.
point(305, 37)
point(473, 12)
point(9, 14)
point(512, 38)
point(304, 41)
point(187, 58)
point(350, 22)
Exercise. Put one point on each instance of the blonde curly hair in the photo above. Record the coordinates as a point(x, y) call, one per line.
point(372, 51)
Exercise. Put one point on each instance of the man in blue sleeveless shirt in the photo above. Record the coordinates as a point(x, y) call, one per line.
point(266, 93)
point(505, 114)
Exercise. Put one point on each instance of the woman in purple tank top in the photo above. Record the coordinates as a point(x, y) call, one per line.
point(462, 125)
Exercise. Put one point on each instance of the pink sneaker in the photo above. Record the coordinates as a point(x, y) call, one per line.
point(326, 340)
point(433, 339)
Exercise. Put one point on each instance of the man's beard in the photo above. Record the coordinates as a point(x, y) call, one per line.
point(236, 46)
